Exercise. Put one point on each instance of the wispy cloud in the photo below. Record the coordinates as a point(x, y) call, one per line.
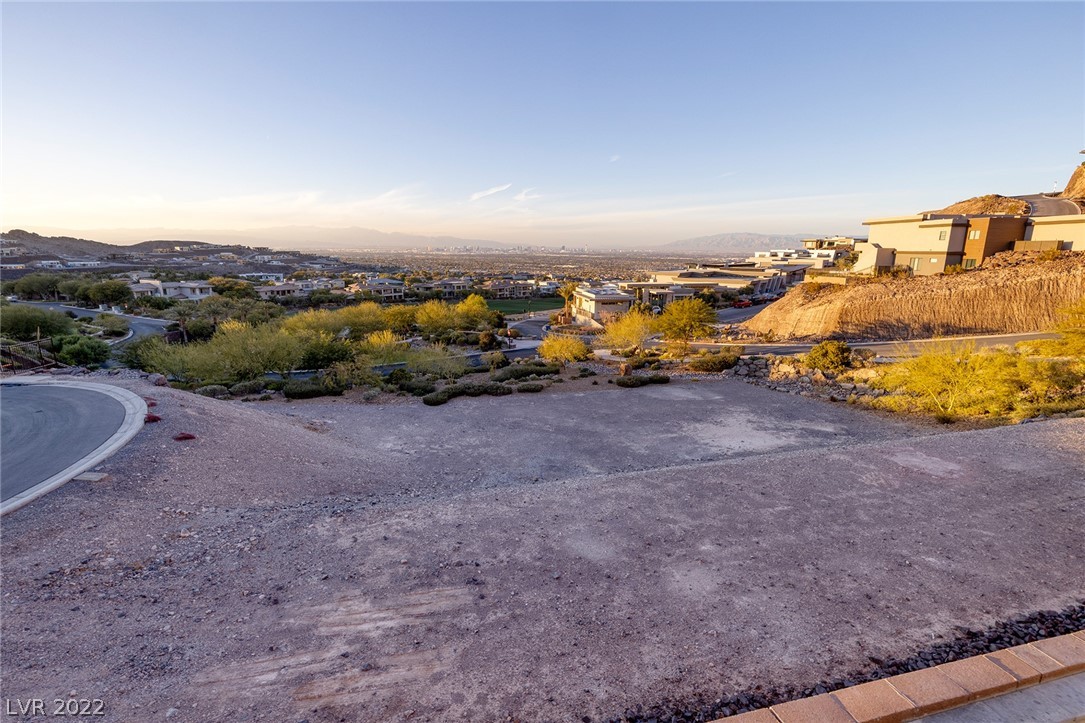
point(526, 195)
point(490, 191)
point(615, 158)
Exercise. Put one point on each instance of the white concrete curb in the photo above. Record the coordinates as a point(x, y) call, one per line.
point(135, 409)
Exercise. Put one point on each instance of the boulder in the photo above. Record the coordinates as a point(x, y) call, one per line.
point(158, 380)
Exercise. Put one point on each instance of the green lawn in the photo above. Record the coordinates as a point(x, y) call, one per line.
point(519, 306)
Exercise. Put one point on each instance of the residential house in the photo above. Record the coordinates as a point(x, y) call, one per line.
point(600, 304)
point(503, 289)
point(279, 291)
point(1068, 232)
point(929, 243)
point(386, 289)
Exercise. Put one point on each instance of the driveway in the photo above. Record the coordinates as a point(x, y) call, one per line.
point(1041, 205)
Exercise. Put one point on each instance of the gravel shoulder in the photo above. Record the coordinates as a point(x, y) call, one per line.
point(545, 557)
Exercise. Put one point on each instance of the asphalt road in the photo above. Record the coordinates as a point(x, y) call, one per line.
point(893, 348)
point(45, 429)
point(1043, 206)
point(140, 326)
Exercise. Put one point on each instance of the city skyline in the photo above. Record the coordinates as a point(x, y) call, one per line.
point(606, 125)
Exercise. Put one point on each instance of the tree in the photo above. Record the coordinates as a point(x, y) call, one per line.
point(183, 313)
point(435, 317)
point(438, 361)
point(113, 293)
point(630, 330)
point(566, 292)
point(563, 349)
point(472, 312)
point(38, 286)
point(686, 319)
point(233, 288)
point(400, 319)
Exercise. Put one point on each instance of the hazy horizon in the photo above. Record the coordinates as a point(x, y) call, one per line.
point(606, 125)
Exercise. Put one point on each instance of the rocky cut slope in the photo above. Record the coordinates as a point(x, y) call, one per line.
point(1010, 293)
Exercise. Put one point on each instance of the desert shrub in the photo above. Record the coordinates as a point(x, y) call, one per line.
point(307, 389)
point(494, 360)
point(438, 361)
point(253, 386)
point(437, 398)
point(954, 269)
point(631, 382)
point(950, 381)
point(399, 376)
point(322, 350)
point(1049, 255)
point(563, 349)
point(522, 371)
point(81, 351)
point(24, 323)
point(714, 363)
point(132, 353)
point(213, 390)
point(349, 374)
point(488, 341)
point(530, 387)
point(585, 372)
point(658, 379)
point(112, 325)
point(418, 387)
point(829, 356)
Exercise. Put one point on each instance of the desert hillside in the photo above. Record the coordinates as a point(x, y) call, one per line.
point(1011, 292)
point(991, 203)
point(1075, 188)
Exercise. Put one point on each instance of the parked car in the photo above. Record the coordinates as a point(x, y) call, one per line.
point(742, 304)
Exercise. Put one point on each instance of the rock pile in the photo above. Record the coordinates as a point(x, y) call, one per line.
point(789, 375)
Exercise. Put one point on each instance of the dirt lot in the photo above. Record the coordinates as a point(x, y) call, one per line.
point(545, 557)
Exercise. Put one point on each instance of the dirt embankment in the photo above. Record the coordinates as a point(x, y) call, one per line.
point(991, 203)
point(1010, 293)
point(1075, 188)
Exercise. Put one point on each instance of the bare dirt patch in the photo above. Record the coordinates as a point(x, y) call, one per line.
point(545, 557)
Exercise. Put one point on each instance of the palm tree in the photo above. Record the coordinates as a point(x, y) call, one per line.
point(566, 292)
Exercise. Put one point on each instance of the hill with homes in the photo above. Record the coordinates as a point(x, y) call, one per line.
point(1011, 292)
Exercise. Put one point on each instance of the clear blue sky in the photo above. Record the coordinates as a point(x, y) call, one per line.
point(605, 124)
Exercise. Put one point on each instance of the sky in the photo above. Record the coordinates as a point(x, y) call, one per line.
point(611, 124)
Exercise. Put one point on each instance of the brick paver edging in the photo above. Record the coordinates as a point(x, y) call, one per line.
point(931, 690)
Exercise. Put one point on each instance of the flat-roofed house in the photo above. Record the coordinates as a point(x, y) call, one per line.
point(1063, 232)
point(600, 304)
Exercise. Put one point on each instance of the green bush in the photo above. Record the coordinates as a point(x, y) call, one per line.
point(829, 356)
point(714, 362)
point(418, 387)
point(132, 354)
point(530, 387)
point(112, 324)
point(84, 350)
point(522, 371)
point(306, 389)
point(321, 353)
point(658, 379)
point(23, 323)
point(436, 398)
point(253, 386)
point(631, 382)
point(213, 390)
point(470, 389)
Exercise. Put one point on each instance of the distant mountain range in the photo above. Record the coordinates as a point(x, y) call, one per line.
point(309, 238)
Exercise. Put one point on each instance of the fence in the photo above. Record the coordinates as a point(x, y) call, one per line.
point(27, 356)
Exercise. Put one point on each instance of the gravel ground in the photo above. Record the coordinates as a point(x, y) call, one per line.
point(537, 557)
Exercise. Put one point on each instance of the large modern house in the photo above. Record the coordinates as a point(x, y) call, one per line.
point(929, 243)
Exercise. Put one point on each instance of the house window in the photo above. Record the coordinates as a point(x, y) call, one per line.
point(914, 263)
point(942, 235)
point(974, 234)
point(970, 263)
